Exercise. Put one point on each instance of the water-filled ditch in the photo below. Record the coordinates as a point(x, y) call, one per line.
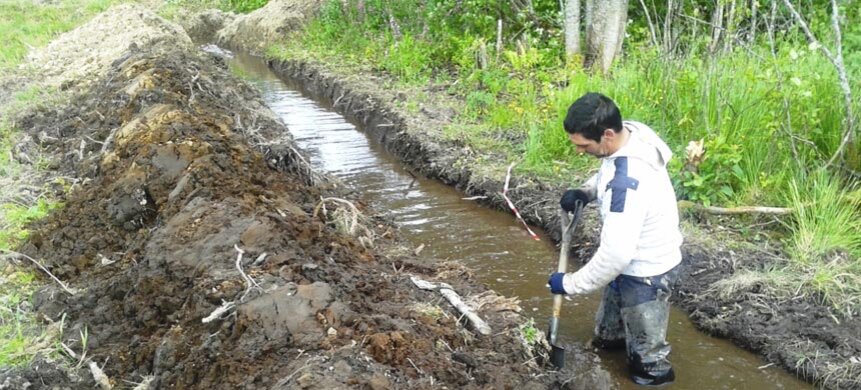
point(492, 243)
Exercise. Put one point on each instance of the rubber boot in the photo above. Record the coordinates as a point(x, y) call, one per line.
point(648, 349)
point(609, 328)
point(654, 378)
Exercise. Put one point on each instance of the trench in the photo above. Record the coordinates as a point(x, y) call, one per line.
point(436, 217)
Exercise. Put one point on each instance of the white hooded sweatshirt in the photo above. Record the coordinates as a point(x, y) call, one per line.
point(640, 234)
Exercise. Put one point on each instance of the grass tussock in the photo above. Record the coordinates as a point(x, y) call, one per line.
point(21, 336)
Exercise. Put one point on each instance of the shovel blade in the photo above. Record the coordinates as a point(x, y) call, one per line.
point(557, 353)
point(557, 356)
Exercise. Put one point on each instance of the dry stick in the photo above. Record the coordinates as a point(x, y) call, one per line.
point(60, 282)
point(837, 60)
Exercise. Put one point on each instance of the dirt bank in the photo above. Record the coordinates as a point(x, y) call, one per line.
point(799, 334)
point(188, 197)
point(254, 32)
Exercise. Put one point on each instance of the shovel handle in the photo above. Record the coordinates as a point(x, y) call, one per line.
point(568, 225)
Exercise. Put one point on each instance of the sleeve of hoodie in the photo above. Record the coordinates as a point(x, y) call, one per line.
point(624, 207)
point(589, 187)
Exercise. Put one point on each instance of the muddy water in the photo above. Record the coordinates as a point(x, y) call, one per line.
point(492, 243)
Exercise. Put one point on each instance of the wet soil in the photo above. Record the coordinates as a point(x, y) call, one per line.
point(188, 195)
point(800, 334)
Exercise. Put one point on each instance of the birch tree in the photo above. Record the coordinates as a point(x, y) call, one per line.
point(605, 31)
point(572, 28)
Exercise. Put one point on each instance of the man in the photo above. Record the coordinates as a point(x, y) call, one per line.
point(636, 261)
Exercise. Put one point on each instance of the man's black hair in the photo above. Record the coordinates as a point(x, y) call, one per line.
point(591, 114)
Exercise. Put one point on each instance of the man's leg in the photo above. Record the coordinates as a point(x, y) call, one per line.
point(609, 329)
point(645, 313)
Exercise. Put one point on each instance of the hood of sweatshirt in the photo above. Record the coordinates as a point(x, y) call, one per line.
point(645, 145)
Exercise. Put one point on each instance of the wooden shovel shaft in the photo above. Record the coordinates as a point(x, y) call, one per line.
point(563, 255)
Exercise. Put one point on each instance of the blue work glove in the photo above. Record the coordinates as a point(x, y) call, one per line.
point(555, 283)
point(571, 197)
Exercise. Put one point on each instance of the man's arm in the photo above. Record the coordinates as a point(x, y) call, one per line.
point(624, 208)
point(590, 187)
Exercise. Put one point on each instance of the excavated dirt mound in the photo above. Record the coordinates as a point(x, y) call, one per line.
point(205, 25)
point(256, 31)
point(181, 170)
point(87, 52)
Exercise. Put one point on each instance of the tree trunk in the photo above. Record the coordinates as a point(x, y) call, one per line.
point(717, 27)
point(729, 35)
point(754, 9)
point(572, 28)
point(587, 20)
point(360, 10)
point(605, 31)
point(669, 36)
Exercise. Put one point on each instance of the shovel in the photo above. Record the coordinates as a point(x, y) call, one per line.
point(557, 353)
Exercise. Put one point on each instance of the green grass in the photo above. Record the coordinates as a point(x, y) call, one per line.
point(529, 332)
point(825, 246)
point(27, 24)
point(21, 336)
point(16, 217)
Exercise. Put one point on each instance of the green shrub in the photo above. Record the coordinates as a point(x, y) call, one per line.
point(244, 6)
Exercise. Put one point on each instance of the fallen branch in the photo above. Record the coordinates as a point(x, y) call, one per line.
point(60, 282)
point(684, 205)
point(448, 292)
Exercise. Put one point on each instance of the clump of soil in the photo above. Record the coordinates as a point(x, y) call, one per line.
point(193, 198)
point(254, 32)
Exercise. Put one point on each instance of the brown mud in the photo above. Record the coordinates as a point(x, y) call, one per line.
point(179, 168)
point(799, 334)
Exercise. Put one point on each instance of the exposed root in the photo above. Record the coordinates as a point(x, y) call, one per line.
point(219, 312)
point(345, 219)
point(249, 283)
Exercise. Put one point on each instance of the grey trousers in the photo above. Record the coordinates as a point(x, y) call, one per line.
point(635, 312)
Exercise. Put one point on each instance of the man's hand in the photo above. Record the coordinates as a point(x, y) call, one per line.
point(555, 283)
point(570, 199)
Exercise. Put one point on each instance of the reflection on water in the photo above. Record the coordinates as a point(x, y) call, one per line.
point(491, 243)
